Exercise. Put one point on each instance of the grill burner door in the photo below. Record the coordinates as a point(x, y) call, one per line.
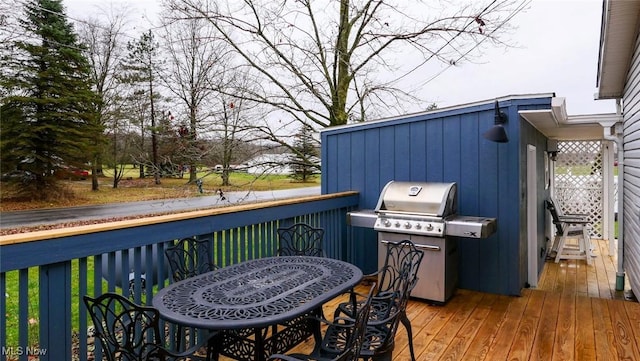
point(438, 272)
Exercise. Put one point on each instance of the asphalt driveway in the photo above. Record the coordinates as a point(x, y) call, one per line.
point(39, 217)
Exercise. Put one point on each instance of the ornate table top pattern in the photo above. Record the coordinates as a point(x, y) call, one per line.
point(256, 293)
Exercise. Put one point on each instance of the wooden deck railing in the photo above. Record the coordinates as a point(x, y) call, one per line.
point(43, 275)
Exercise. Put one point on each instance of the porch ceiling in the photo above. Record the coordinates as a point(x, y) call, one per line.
point(555, 124)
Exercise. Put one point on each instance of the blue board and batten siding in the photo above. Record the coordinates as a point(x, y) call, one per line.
point(447, 146)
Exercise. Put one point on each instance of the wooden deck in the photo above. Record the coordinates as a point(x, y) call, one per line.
point(574, 314)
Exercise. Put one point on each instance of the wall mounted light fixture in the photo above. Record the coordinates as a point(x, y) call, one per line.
point(497, 133)
point(552, 149)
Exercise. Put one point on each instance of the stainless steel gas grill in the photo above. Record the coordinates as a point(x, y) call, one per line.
point(425, 213)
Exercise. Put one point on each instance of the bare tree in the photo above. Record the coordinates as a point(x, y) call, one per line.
point(195, 57)
point(136, 111)
point(326, 63)
point(103, 38)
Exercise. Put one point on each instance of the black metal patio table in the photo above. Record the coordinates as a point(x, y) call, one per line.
point(270, 296)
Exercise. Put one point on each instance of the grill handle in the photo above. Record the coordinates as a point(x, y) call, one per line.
point(421, 246)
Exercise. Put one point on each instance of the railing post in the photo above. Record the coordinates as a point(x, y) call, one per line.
point(55, 312)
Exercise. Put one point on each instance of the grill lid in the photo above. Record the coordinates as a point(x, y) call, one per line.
point(425, 199)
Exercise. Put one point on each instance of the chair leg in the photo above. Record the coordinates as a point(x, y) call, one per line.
point(580, 251)
point(556, 240)
point(587, 244)
point(560, 248)
point(383, 357)
point(213, 353)
point(407, 325)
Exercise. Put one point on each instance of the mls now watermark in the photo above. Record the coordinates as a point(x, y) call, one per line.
point(20, 351)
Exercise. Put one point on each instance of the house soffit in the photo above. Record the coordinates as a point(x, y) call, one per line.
point(554, 123)
point(619, 29)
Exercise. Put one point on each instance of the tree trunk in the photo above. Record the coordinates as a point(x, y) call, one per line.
point(192, 143)
point(339, 114)
point(154, 138)
point(94, 175)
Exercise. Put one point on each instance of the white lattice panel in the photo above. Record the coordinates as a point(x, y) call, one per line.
point(579, 181)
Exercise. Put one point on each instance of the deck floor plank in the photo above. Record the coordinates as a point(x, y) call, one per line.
point(623, 332)
point(634, 317)
point(423, 338)
point(585, 339)
point(542, 349)
point(467, 333)
point(447, 334)
point(563, 348)
point(488, 331)
point(603, 330)
point(526, 332)
point(501, 346)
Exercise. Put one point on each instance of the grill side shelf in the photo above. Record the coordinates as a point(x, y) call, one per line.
point(365, 218)
point(471, 227)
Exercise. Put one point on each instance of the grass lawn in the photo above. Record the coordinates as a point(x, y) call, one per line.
point(12, 298)
point(132, 188)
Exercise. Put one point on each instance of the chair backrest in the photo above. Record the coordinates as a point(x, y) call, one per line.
point(553, 203)
point(382, 336)
point(189, 257)
point(356, 336)
point(300, 240)
point(555, 216)
point(402, 261)
point(126, 330)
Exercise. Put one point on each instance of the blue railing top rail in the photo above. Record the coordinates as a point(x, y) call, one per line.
point(24, 250)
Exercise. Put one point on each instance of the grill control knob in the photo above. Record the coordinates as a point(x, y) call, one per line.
point(387, 223)
point(397, 224)
point(429, 227)
point(407, 225)
point(418, 226)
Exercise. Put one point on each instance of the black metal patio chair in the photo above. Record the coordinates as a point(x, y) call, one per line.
point(128, 331)
point(350, 342)
point(189, 257)
point(300, 239)
point(400, 270)
point(379, 338)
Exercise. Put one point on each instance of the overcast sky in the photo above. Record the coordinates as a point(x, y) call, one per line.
point(557, 52)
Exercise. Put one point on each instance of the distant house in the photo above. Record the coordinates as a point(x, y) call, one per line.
point(270, 164)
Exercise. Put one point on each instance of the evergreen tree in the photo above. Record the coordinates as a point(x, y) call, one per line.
point(303, 161)
point(48, 98)
point(139, 70)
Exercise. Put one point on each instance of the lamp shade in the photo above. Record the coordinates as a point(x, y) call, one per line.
point(496, 134)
